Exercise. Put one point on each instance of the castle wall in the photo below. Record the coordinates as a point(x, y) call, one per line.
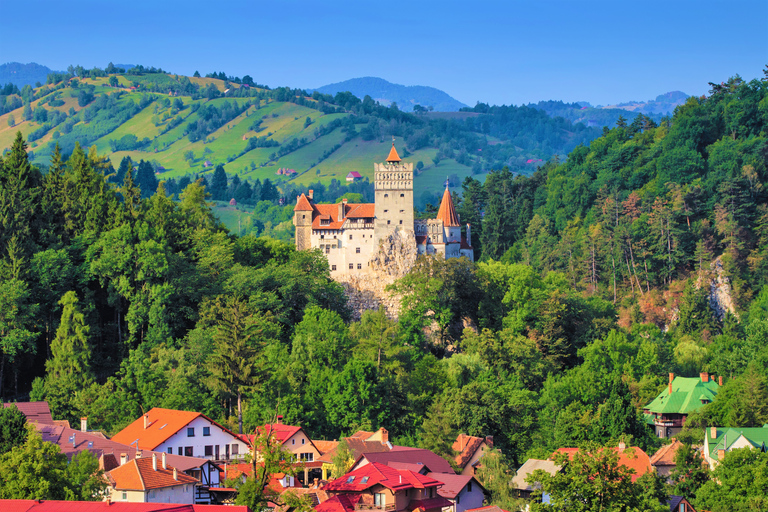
point(303, 222)
point(349, 246)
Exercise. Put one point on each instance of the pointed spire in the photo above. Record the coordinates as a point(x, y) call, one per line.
point(393, 156)
point(447, 212)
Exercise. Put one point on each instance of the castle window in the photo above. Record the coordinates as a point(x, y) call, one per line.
point(333, 267)
point(303, 216)
point(350, 237)
point(386, 195)
point(401, 221)
point(402, 195)
point(322, 236)
point(359, 266)
point(357, 250)
point(327, 249)
point(385, 211)
point(388, 222)
point(351, 266)
point(402, 211)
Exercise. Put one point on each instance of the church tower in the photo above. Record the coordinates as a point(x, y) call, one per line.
point(393, 184)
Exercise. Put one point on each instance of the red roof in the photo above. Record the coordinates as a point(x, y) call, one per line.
point(330, 213)
point(138, 475)
point(36, 412)
point(447, 212)
point(379, 474)
point(279, 431)
point(162, 424)
point(302, 204)
point(339, 503)
point(393, 156)
point(429, 503)
point(489, 508)
point(453, 484)
point(420, 456)
point(107, 506)
point(354, 174)
point(633, 458)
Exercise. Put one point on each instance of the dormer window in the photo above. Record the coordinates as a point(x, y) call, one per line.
point(350, 479)
point(364, 480)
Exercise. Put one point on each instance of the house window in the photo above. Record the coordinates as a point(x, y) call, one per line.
point(302, 440)
point(359, 266)
point(385, 211)
point(209, 451)
point(125, 495)
point(327, 249)
point(469, 486)
point(402, 211)
point(206, 431)
point(170, 450)
point(235, 449)
point(333, 267)
point(458, 499)
point(322, 236)
point(190, 432)
point(357, 250)
point(307, 457)
point(181, 452)
point(188, 451)
point(378, 500)
point(293, 441)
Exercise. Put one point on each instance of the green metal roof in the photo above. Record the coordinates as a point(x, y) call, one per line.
point(686, 397)
point(757, 436)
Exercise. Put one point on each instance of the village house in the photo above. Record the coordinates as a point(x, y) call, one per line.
point(354, 176)
point(718, 441)
point(376, 486)
point(679, 504)
point(632, 457)
point(403, 457)
point(349, 234)
point(683, 395)
point(664, 459)
point(463, 491)
point(525, 490)
point(295, 440)
point(149, 480)
point(358, 443)
point(35, 412)
point(109, 506)
point(187, 433)
point(470, 450)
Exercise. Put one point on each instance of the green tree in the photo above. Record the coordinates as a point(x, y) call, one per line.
point(219, 184)
point(496, 476)
point(13, 431)
point(689, 473)
point(342, 460)
point(738, 483)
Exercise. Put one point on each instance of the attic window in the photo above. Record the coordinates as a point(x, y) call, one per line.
point(364, 480)
point(90, 444)
point(350, 479)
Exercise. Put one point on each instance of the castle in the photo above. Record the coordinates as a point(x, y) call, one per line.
point(349, 234)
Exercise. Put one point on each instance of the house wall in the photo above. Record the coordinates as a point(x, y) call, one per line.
point(177, 494)
point(469, 469)
point(299, 443)
point(198, 442)
point(466, 499)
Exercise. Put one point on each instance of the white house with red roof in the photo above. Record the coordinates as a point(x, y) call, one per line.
point(377, 486)
point(150, 480)
point(349, 234)
point(187, 433)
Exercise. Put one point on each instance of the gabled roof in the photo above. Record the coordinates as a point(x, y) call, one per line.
point(453, 484)
point(36, 412)
point(631, 457)
point(325, 446)
point(354, 174)
point(330, 213)
point(138, 475)
point(162, 424)
point(410, 455)
point(109, 506)
point(447, 212)
point(726, 437)
point(302, 204)
point(339, 503)
point(393, 156)
point(280, 431)
point(375, 473)
point(686, 396)
point(531, 465)
point(665, 456)
point(466, 445)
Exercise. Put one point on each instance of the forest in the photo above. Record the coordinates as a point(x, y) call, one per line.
point(592, 284)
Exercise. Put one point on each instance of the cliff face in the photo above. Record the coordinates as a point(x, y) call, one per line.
point(395, 258)
point(720, 296)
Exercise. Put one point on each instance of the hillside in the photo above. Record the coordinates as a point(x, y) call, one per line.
point(386, 93)
point(186, 126)
point(20, 74)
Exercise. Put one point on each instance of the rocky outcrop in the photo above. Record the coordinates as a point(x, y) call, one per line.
point(720, 296)
point(394, 259)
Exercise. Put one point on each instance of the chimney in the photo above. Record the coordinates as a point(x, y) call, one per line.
point(622, 446)
point(341, 209)
point(713, 432)
point(279, 419)
point(704, 376)
point(123, 458)
point(489, 441)
point(469, 234)
point(146, 421)
point(84, 424)
point(175, 474)
point(311, 194)
point(671, 378)
point(165, 465)
point(720, 455)
point(154, 462)
point(384, 436)
point(720, 380)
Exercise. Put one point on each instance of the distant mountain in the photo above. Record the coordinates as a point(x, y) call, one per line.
point(23, 74)
point(406, 96)
point(663, 104)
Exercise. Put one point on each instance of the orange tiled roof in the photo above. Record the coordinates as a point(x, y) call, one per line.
point(631, 457)
point(162, 425)
point(138, 475)
point(361, 210)
point(466, 445)
point(302, 204)
point(665, 456)
point(447, 212)
point(393, 156)
point(330, 212)
point(325, 446)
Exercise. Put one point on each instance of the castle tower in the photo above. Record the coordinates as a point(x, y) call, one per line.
point(447, 214)
point(393, 183)
point(302, 219)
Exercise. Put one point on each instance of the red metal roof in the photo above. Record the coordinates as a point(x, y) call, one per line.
point(339, 503)
point(447, 212)
point(379, 474)
point(429, 503)
point(453, 484)
point(107, 506)
point(36, 412)
point(330, 212)
point(427, 458)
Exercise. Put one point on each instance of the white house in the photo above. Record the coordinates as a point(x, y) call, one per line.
point(187, 433)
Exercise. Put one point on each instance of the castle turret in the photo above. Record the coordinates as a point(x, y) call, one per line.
point(393, 183)
point(302, 219)
point(447, 214)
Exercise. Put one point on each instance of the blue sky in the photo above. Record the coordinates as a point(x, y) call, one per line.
point(499, 52)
